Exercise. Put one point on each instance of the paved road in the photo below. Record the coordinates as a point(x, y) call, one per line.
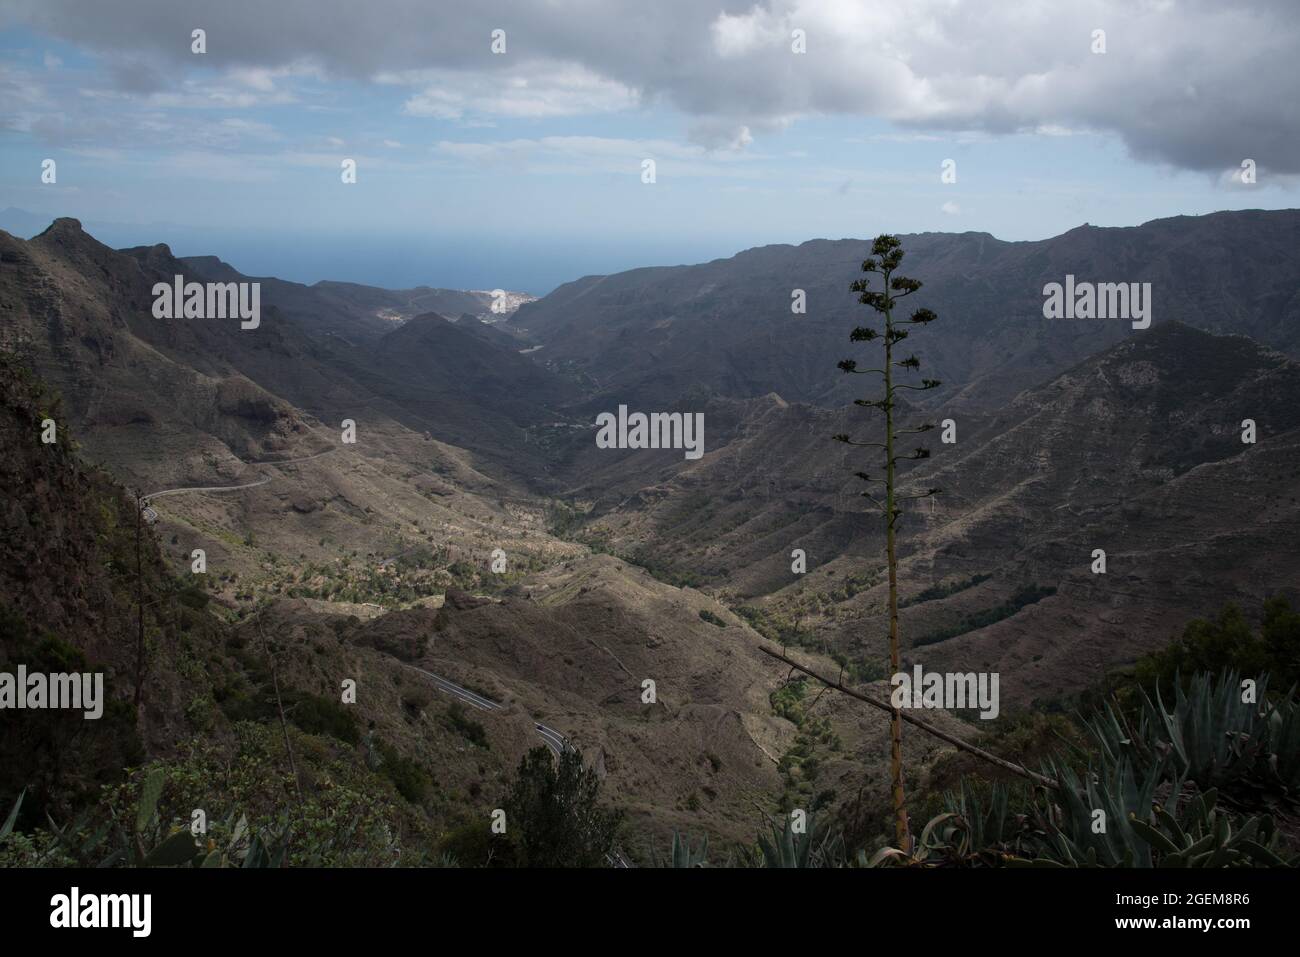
point(207, 488)
point(235, 488)
point(389, 561)
point(553, 739)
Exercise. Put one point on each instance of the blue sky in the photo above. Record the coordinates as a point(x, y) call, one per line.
point(523, 171)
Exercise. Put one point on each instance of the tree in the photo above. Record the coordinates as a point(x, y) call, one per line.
point(551, 812)
point(886, 255)
point(1227, 642)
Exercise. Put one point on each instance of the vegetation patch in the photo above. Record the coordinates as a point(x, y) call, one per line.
point(1028, 595)
point(935, 592)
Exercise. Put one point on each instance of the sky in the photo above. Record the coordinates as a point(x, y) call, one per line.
point(523, 167)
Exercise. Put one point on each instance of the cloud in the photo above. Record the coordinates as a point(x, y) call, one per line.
point(597, 154)
point(135, 76)
point(1196, 84)
point(538, 91)
point(720, 134)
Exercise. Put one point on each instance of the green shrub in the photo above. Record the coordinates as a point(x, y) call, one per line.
point(1028, 595)
point(474, 845)
point(315, 714)
point(935, 592)
point(410, 779)
point(1228, 642)
point(457, 720)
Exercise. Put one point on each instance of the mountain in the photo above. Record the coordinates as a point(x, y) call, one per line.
point(352, 558)
point(476, 531)
point(1137, 451)
point(84, 313)
point(657, 334)
point(350, 311)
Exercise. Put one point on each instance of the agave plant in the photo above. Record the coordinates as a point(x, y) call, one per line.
point(1215, 736)
point(1283, 751)
point(1093, 812)
point(1210, 736)
point(972, 830)
point(683, 855)
point(1107, 815)
point(1193, 834)
point(941, 839)
point(812, 847)
point(1201, 836)
point(983, 824)
point(145, 841)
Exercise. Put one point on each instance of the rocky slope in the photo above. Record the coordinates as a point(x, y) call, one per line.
point(1137, 451)
point(367, 557)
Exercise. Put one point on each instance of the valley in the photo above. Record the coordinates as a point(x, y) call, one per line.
point(480, 529)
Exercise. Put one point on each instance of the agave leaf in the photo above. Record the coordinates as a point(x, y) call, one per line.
point(1222, 830)
point(1221, 857)
point(7, 828)
point(1035, 862)
point(932, 824)
point(180, 848)
point(1262, 855)
point(881, 855)
point(118, 855)
point(1247, 832)
point(253, 856)
point(1201, 846)
point(1171, 823)
point(1154, 836)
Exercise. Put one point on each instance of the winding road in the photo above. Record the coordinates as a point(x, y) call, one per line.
point(235, 488)
point(554, 740)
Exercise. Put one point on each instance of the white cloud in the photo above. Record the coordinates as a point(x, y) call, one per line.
point(590, 154)
point(720, 134)
point(741, 34)
point(534, 91)
point(1194, 84)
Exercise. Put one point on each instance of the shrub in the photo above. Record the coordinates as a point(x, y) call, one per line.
point(457, 720)
point(318, 715)
point(410, 779)
point(552, 813)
